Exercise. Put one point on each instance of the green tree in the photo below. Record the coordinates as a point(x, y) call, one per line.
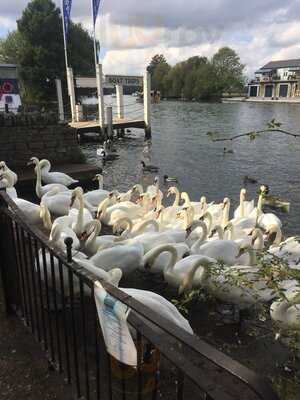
point(41, 57)
point(229, 70)
point(155, 61)
point(10, 48)
point(159, 69)
point(37, 47)
point(159, 77)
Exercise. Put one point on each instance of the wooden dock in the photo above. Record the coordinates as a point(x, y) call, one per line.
point(94, 126)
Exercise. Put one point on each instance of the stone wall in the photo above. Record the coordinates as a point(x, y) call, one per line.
point(37, 135)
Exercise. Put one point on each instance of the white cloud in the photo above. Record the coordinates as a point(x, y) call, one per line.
point(132, 31)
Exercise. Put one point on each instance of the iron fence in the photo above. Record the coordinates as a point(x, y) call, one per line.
point(55, 299)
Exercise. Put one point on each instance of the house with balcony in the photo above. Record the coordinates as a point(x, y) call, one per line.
point(276, 80)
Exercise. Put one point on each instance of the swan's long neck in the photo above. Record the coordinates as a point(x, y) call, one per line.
point(278, 237)
point(186, 219)
point(186, 198)
point(225, 216)
point(242, 205)
point(203, 236)
point(141, 228)
point(230, 229)
point(203, 204)
point(252, 257)
point(7, 180)
point(177, 198)
point(47, 165)
point(259, 205)
point(257, 235)
point(207, 216)
point(186, 283)
point(38, 186)
point(96, 225)
point(151, 256)
point(79, 222)
point(158, 200)
point(128, 226)
point(220, 231)
point(45, 215)
point(100, 182)
point(103, 207)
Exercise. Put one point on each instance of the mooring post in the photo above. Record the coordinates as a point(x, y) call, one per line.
point(147, 105)
point(99, 80)
point(61, 115)
point(71, 91)
point(120, 101)
point(109, 122)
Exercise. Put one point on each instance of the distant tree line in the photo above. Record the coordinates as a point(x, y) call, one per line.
point(198, 77)
point(36, 46)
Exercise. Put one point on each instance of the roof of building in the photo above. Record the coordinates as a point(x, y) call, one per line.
point(8, 66)
point(282, 64)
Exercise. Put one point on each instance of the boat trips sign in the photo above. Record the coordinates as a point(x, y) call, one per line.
point(124, 80)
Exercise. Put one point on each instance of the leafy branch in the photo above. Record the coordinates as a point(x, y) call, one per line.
point(271, 127)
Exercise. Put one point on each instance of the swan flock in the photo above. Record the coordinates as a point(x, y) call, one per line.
point(239, 257)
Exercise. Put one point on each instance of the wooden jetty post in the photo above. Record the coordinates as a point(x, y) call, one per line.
point(71, 92)
point(61, 114)
point(99, 82)
point(120, 101)
point(147, 104)
point(109, 121)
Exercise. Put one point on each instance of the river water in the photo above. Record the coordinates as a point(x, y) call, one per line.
point(181, 148)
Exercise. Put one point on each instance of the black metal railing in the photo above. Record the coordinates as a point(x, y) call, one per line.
point(55, 299)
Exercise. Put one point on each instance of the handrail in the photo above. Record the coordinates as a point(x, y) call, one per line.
point(256, 383)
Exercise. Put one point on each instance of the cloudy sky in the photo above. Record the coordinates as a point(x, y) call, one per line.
point(132, 31)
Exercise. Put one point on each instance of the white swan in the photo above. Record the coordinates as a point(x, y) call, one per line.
point(7, 182)
point(131, 229)
point(224, 250)
point(54, 177)
point(94, 197)
point(109, 215)
point(159, 304)
point(113, 276)
point(34, 213)
point(39, 189)
point(160, 256)
point(286, 312)
point(4, 168)
point(267, 220)
point(289, 250)
point(58, 202)
point(245, 208)
point(82, 216)
point(92, 239)
point(126, 257)
point(183, 273)
point(240, 284)
point(58, 235)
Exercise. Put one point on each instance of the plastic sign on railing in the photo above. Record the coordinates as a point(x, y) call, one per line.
point(113, 320)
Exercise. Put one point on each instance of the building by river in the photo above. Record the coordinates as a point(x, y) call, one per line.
point(276, 80)
point(9, 88)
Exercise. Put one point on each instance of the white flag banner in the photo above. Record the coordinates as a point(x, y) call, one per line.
point(113, 320)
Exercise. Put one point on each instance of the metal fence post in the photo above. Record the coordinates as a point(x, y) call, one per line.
point(7, 280)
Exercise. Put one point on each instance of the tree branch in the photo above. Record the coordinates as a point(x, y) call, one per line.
point(254, 134)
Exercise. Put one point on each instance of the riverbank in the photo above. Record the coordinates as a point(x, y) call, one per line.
point(261, 100)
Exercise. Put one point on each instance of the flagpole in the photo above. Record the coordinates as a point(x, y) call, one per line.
point(98, 67)
point(64, 34)
point(94, 34)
